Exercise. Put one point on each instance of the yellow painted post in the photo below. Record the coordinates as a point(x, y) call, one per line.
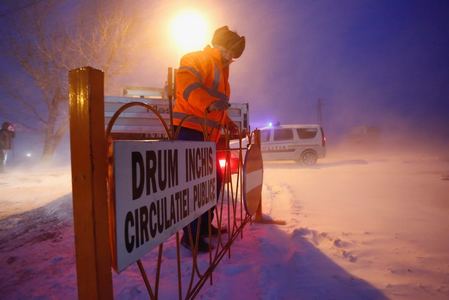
point(89, 166)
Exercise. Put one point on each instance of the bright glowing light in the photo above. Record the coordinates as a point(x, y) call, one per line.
point(28, 154)
point(222, 163)
point(190, 31)
point(270, 124)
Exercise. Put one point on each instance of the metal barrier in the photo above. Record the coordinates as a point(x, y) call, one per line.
point(93, 197)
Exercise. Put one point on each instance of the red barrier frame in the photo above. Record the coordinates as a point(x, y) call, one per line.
point(92, 196)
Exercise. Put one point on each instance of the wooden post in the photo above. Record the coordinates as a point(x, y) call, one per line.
point(89, 169)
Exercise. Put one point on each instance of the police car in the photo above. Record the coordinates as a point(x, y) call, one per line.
point(304, 143)
point(301, 142)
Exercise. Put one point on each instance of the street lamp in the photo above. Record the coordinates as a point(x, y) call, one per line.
point(190, 31)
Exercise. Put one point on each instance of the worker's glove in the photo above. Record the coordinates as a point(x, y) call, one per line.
point(218, 105)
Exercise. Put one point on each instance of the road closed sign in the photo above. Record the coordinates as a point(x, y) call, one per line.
point(160, 187)
point(252, 179)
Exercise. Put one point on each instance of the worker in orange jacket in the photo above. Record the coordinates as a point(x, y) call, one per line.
point(202, 100)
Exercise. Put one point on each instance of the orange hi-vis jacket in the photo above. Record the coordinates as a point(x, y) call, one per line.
point(201, 79)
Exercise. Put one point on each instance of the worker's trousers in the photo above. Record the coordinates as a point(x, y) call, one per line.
point(187, 134)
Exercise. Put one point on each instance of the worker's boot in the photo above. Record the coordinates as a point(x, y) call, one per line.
point(214, 231)
point(203, 246)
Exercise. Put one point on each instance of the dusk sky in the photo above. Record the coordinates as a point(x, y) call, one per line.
point(376, 63)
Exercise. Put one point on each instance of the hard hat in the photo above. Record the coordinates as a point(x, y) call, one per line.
point(229, 40)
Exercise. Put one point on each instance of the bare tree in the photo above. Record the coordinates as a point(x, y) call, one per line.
point(49, 39)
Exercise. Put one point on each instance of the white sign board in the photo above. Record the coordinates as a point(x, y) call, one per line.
point(160, 187)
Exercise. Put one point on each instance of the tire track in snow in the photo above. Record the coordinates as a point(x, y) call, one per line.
point(278, 202)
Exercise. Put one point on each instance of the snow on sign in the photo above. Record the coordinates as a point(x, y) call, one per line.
point(160, 187)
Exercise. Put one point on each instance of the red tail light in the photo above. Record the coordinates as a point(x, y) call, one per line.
point(222, 163)
point(233, 164)
point(323, 138)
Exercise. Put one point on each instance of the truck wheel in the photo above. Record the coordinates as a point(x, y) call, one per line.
point(308, 158)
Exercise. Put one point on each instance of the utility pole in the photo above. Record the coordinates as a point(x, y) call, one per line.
point(320, 110)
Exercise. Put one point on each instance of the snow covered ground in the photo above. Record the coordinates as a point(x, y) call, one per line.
point(359, 226)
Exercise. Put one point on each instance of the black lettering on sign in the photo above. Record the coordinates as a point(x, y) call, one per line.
point(212, 189)
point(173, 168)
point(160, 220)
point(151, 172)
point(136, 218)
point(153, 228)
point(195, 197)
point(185, 203)
point(198, 163)
point(203, 162)
point(129, 240)
point(146, 222)
point(191, 165)
point(137, 174)
point(166, 212)
point(203, 193)
point(162, 169)
point(210, 165)
point(187, 165)
point(178, 204)
point(173, 219)
point(144, 225)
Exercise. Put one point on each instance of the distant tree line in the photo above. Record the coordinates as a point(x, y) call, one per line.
point(49, 38)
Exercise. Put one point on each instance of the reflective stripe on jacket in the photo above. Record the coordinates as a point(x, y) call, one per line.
point(201, 79)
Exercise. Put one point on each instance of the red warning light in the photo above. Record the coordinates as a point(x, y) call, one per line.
point(222, 163)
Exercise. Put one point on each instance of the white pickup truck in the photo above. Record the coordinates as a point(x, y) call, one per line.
point(138, 122)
